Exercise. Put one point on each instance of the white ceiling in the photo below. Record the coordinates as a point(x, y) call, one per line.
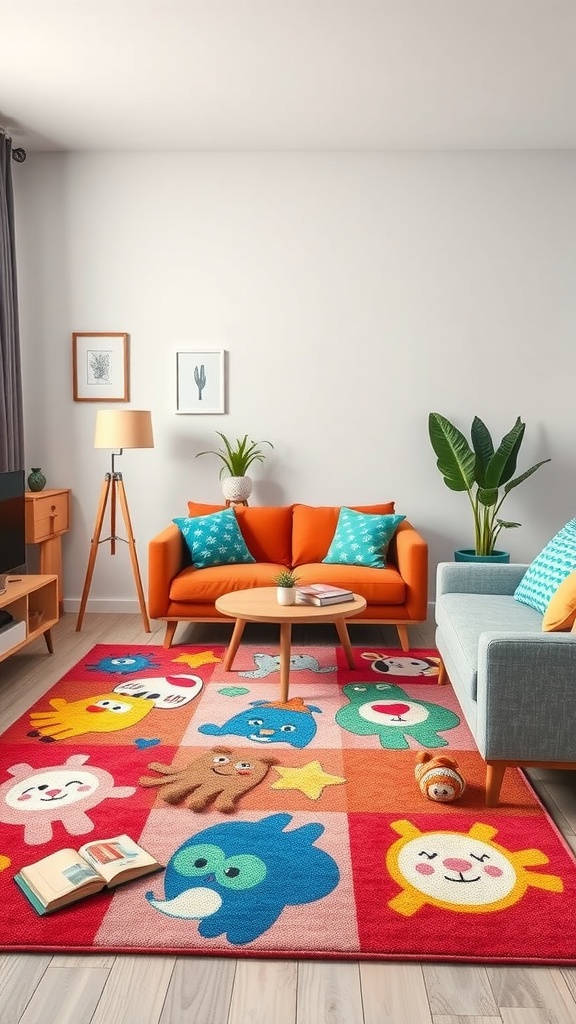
point(288, 74)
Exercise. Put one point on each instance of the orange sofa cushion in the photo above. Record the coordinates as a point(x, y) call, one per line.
point(314, 526)
point(207, 584)
point(200, 508)
point(267, 530)
point(378, 586)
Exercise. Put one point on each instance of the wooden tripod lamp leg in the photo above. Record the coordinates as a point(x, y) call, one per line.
point(104, 493)
point(113, 537)
point(133, 556)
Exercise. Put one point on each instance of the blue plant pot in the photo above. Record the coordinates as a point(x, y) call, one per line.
point(469, 555)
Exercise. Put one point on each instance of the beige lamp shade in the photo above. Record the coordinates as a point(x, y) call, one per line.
point(123, 428)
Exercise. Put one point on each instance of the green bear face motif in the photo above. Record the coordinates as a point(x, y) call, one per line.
point(387, 711)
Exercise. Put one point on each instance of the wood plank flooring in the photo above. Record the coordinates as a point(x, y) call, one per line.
point(103, 989)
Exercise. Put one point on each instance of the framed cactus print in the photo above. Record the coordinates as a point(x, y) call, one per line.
point(201, 381)
point(100, 367)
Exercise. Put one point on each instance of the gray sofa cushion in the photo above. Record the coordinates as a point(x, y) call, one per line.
point(461, 618)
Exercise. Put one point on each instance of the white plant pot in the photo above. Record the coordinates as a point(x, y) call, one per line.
point(236, 488)
point(286, 595)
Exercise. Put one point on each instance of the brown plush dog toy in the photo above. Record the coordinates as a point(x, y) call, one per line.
point(218, 775)
point(438, 777)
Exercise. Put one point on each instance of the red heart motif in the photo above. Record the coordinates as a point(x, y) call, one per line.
point(391, 709)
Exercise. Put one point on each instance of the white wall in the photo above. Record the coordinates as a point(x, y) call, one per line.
point(353, 293)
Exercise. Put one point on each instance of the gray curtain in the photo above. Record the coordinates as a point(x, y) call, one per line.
point(11, 415)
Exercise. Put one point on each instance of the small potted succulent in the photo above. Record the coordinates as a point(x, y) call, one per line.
point(286, 581)
point(236, 458)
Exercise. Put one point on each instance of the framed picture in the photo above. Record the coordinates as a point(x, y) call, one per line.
point(100, 367)
point(200, 381)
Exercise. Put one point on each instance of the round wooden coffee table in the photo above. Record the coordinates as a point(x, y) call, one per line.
point(260, 605)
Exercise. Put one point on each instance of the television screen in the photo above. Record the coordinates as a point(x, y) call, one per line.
point(12, 521)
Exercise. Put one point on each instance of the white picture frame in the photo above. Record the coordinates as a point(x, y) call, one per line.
point(201, 382)
point(100, 367)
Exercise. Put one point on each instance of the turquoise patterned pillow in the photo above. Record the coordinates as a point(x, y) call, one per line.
point(215, 539)
point(362, 538)
point(545, 574)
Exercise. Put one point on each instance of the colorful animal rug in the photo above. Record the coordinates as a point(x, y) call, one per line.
point(286, 830)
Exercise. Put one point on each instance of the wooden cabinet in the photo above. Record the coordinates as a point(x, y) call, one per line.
point(47, 518)
point(32, 601)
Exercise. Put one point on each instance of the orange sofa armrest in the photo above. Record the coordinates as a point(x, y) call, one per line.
point(411, 557)
point(167, 555)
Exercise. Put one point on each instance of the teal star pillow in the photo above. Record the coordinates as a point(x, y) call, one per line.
point(362, 538)
point(215, 539)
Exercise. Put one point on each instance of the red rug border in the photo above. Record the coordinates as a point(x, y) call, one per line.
point(244, 952)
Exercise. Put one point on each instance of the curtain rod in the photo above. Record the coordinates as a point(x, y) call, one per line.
point(18, 154)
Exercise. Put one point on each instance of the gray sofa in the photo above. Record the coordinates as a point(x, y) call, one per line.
point(516, 684)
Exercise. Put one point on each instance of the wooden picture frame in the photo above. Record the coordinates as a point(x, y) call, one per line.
point(100, 366)
point(201, 382)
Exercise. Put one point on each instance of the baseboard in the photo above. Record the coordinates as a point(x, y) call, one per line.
point(104, 606)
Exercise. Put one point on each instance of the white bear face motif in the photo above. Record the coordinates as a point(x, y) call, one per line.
point(52, 786)
point(36, 797)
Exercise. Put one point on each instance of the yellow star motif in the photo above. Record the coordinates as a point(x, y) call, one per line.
point(310, 779)
point(195, 660)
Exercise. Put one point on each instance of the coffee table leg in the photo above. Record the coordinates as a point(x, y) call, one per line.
point(345, 641)
point(234, 644)
point(285, 641)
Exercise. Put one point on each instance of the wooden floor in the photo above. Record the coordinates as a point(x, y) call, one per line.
point(94, 989)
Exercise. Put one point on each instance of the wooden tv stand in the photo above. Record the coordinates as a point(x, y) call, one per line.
point(33, 603)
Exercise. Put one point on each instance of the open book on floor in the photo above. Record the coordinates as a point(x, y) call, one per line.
point(70, 875)
point(321, 594)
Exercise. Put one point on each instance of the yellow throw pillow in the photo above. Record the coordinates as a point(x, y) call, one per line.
point(561, 611)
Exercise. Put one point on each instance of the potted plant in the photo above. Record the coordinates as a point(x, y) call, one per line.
point(286, 581)
point(487, 476)
point(237, 457)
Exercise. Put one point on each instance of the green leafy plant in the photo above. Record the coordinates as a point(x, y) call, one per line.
point(286, 578)
point(486, 474)
point(238, 456)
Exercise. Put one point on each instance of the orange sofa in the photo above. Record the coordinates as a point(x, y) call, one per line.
point(291, 535)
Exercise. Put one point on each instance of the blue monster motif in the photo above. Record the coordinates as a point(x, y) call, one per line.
point(291, 722)
point(236, 878)
point(125, 665)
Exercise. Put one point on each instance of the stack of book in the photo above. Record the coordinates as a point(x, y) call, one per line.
point(322, 594)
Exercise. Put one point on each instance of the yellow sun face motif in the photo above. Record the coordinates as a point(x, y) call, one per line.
point(466, 872)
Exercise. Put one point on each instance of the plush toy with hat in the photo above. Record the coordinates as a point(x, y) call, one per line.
point(438, 777)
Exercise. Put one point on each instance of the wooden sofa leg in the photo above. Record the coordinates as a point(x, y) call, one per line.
point(494, 776)
point(403, 634)
point(442, 674)
point(170, 631)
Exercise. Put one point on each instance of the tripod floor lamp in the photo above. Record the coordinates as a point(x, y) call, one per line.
point(126, 428)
